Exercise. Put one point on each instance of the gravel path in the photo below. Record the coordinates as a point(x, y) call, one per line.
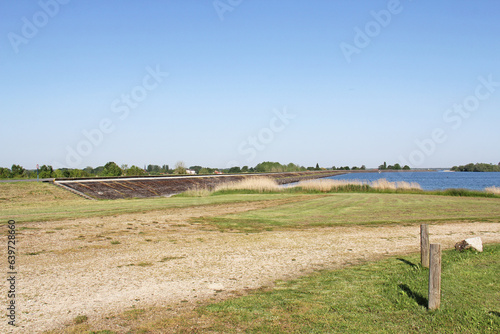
point(103, 266)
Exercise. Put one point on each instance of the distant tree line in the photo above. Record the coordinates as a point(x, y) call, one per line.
point(47, 171)
point(396, 166)
point(478, 167)
point(112, 169)
point(363, 167)
point(276, 167)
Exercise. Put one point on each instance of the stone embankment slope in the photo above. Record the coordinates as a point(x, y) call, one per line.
point(140, 187)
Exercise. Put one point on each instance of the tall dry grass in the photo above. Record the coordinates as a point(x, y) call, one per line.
point(328, 185)
point(383, 184)
point(260, 184)
point(493, 190)
point(197, 192)
point(264, 184)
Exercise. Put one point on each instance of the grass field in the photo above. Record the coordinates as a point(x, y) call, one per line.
point(32, 201)
point(388, 296)
point(361, 208)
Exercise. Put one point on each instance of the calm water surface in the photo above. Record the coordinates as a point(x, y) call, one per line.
point(432, 180)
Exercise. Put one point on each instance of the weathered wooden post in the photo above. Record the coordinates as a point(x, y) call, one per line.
point(424, 245)
point(435, 277)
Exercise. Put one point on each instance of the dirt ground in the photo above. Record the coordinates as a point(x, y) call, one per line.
point(100, 267)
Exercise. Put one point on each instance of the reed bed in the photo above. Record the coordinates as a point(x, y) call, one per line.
point(493, 190)
point(384, 184)
point(258, 184)
point(267, 185)
point(337, 185)
point(197, 192)
point(327, 185)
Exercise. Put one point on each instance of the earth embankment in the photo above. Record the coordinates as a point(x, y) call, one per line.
point(141, 187)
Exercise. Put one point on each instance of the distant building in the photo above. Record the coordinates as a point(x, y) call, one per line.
point(217, 172)
point(190, 171)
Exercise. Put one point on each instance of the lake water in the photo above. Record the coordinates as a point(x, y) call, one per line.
point(432, 180)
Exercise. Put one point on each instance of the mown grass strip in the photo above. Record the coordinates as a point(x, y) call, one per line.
point(360, 208)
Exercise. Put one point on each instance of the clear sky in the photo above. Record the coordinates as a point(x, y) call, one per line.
point(238, 82)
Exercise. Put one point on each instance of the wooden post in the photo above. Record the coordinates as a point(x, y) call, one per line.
point(435, 277)
point(424, 245)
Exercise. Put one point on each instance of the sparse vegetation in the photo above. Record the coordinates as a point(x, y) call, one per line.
point(144, 264)
point(80, 319)
point(170, 258)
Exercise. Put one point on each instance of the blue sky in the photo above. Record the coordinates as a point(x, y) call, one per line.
point(220, 83)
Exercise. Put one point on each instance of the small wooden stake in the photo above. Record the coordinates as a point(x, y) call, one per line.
point(424, 245)
point(435, 277)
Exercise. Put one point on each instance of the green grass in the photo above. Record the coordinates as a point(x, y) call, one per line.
point(388, 296)
point(361, 208)
point(37, 201)
point(32, 201)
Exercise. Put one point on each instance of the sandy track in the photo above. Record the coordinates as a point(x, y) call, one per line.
point(103, 266)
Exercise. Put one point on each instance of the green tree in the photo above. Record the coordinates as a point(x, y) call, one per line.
point(153, 169)
point(46, 172)
point(180, 167)
point(317, 167)
point(134, 171)
point(205, 170)
point(244, 169)
point(4, 173)
point(234, 170)
point(17, 171)
point(79, 173)
point(478, 167)
point(112, 169)
point(406, 167)
point(270, 167)
point(62, 172)
point(89, 170)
